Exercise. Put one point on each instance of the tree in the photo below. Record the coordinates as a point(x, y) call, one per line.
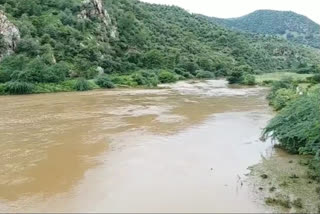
point(3, 45)
point(167, 77)
point(153, 59)
point(235, 77)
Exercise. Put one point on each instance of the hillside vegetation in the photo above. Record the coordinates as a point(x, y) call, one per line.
point(63, 43)
point(287, 24)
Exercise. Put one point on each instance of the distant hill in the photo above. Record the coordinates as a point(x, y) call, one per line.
point(287, 24)
point(135, 43)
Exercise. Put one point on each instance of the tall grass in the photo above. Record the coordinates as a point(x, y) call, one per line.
point(16, 87)
point(82, 85)
point(269, 77)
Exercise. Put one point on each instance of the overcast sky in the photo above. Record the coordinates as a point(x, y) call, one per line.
point(236, 8)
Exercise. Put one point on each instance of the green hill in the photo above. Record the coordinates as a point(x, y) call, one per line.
point(134, 43)
point(287, 24)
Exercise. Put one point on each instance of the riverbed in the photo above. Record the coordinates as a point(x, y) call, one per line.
point(183, 148)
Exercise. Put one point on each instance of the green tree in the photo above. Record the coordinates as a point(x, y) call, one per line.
point(153, 59)
point(167, 77)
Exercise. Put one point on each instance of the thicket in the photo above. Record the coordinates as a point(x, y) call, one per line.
point(297, 125)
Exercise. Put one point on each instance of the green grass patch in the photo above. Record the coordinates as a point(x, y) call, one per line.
point(277, 76)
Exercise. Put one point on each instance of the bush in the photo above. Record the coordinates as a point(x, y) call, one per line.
point(182, 72)
point(235, 77)
point(52, 87)
point(10, 64)
point(104, 82)
point(36, 72)
point(123, 81)
point(147, 78)
point(249, 79)
point(2, 89)
point(282, 98)
point(57, 73)
point(16, 87)
point(305, 70)
point(297, 126)
point(286, 83)
point(201, 74)
point(314, 79)
point(82, 85)
point(167, 77)
point(267, 82)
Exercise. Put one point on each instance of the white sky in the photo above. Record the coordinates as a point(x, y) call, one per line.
point(236, 8)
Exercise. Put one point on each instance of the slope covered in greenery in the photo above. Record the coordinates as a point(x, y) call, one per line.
point(134, 43)
point(287, 24)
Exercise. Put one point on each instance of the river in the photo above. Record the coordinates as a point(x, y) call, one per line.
point(184, 148)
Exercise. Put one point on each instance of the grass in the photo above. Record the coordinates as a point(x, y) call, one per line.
point(66, 86)
point(280, 75)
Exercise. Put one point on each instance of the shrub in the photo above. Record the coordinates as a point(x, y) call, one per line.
point(104, 82)
point(82, 85)
point(36, 72)
point(57, 73)
point(147, 78)
point(16, 87)
point(123, 81)
point(10, 64)
point(235, 77)
point(2, 89)
point(298, 203)
point(305, 70)
point(249, 79)
point(297, 125)
point(267, 82)
point(182, 72)
point(286, 83)
point(314, 79)
point(282, 98)
point(167, 77)
point(201, 74)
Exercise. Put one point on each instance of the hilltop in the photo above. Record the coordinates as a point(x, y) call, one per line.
point(287, 24)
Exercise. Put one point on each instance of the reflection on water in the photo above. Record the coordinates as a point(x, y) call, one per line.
point(184, 148)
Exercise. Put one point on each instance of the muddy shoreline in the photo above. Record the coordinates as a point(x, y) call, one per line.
point(281, 181)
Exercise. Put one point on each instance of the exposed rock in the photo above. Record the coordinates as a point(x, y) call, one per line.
point(9, 36)
point(95, 9)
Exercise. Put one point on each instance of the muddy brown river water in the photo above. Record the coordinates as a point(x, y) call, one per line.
point(185, 148)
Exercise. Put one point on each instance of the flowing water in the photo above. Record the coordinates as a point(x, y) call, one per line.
point(184, 148)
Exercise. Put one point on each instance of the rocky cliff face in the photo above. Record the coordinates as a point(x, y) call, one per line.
point(9, 36)
point(95, 8)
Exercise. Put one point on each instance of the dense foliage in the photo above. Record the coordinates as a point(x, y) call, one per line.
point(281, 93)
point(242, 75)
point(297, 126)
point(82, 85)
point(287, 24)
point(152, 44)
point(16, 87)
point(104, 82)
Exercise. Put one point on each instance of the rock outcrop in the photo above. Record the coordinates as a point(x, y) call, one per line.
point(95, 8)
point(9, 36)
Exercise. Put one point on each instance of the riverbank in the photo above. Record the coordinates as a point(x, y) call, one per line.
point(286, 182)
point(282, 181)
point(136, 80)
